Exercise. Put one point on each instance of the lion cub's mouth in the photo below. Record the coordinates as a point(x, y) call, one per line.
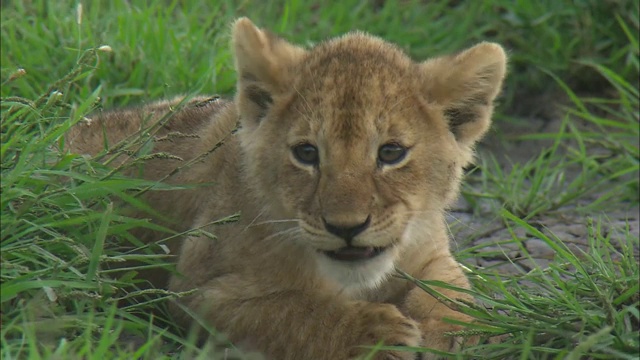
point(355, 253)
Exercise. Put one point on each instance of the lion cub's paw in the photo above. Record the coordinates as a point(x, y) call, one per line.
point(435, 337)
point(385, 323)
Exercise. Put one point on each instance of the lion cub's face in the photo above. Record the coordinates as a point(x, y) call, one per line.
point(359, 144)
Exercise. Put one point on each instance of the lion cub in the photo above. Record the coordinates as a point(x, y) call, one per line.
point(345, 157)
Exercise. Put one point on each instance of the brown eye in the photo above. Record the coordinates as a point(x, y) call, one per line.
point(390, 154)
point(306, 154)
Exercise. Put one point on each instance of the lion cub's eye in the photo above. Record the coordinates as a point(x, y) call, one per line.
point(306, 154)
point(390, 154)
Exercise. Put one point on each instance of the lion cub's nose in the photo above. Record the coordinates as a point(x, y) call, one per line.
point(347, 232)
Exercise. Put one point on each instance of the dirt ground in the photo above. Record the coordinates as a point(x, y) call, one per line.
point(484, 228)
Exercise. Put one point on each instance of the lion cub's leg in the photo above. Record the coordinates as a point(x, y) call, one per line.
point(430, 312)
point(259, 312)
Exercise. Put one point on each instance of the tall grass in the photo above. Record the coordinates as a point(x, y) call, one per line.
point(584, 305)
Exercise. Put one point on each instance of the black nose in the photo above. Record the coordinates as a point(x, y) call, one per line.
point(347, 232)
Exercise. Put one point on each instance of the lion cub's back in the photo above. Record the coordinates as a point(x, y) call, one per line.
point(190, 130)
point(179, 121)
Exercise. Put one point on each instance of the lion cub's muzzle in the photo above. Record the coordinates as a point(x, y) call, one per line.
point(350, 252)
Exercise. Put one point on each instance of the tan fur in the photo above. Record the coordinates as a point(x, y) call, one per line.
point(266, 280)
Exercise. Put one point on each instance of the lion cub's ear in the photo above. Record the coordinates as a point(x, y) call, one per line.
point(466, 85)
point(263, 64)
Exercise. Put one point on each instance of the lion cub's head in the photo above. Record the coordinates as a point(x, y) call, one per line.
point(358, 143)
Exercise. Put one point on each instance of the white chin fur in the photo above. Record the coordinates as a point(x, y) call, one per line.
point(357, 275)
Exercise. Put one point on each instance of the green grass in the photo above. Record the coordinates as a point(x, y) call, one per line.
point(61, 229)
point(584, 305)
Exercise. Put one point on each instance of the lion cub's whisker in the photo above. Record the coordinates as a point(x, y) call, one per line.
point(279, 221)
